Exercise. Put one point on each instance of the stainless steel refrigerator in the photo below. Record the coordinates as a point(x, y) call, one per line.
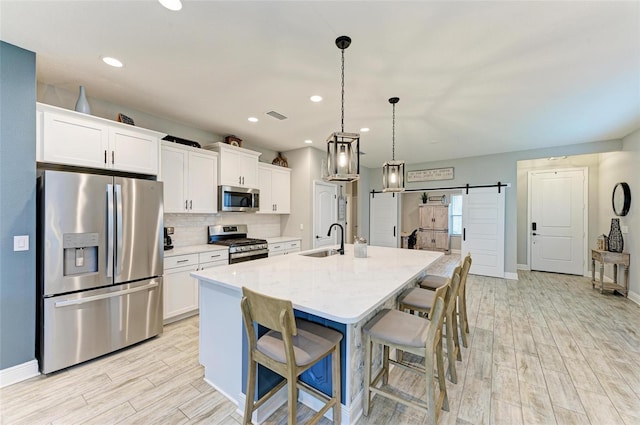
point(100, 262)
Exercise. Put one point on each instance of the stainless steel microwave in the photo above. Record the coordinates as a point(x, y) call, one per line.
point(241, 199)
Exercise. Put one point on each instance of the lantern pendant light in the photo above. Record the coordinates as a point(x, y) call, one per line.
point(343, 149)
point(393, 171)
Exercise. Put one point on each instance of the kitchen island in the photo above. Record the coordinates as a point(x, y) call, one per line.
point(339, 291)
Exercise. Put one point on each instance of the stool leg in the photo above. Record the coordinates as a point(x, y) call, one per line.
point(251, 388)
point(385, 364)
point(456, 337)
point(453, 376)
point(431, 394)
point(292, 396)
point(462, 317)
point(441, 380)
point(463, 311)
point(366, 402)
point(335, 385)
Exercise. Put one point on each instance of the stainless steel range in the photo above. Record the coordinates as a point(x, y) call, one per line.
point(241, 248)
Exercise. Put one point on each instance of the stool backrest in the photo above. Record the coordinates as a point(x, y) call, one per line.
point(273, 313)
point(436, 316)
point(466, 265)
point(454, 283)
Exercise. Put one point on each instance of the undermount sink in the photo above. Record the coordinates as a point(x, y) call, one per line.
point(323, 253)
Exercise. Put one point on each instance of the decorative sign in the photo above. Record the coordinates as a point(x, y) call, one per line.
point(431, 174)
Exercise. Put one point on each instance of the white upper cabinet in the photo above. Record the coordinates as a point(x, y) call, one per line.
point(71, 138)
point(275, 189)
point(238, 166)
point(189, 178)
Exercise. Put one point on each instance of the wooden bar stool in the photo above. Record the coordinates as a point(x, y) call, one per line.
point(291, 346)
point(422, 301)
point(413, 334)
point(432, 282)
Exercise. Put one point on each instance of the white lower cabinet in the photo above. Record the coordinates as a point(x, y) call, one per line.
point(283, 248)
point(181, 293)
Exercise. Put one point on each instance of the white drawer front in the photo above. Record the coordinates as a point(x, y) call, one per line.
point(205, 257)
point(293, 245)
point(181, 260)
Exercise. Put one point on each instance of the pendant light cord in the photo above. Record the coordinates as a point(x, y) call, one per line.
point(342, 119)
point(393, 135)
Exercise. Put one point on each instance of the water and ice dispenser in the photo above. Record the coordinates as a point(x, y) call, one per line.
point(80, 253)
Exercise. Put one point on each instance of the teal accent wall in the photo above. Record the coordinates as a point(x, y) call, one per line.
point(17, 204)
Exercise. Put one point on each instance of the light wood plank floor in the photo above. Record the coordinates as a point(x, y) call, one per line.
point(546, 349)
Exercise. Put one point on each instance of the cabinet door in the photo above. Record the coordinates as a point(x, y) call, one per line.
point(203, 192)
point(74, 141)
point(173, 175)
point(249, 170)
point(230, 168)
point(426, 216)
point(426, 239)
point(133, 151)
point(267, 206)
point(281, 191)
point(441, 240)
point(440, 217)
point(180, 292)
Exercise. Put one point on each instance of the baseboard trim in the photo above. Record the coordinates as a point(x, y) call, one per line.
point(511, 276)
point(523, 267)
point(456, 251)
point(18, 373)
point(634, 296)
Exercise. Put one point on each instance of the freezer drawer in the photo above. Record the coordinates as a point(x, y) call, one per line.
point(85, 325)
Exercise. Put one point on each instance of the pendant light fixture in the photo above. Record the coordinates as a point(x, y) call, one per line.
point(393, 171)
point(343, 149)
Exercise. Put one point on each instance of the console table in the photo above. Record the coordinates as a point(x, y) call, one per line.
point(615, 258)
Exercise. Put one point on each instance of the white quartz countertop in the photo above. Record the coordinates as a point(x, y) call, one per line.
point(281, 239)
point(194, 249)
point(339, 287)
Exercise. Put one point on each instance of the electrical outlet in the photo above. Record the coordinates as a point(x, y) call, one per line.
point(624, 229)
point(21, 243)
point(301, 226)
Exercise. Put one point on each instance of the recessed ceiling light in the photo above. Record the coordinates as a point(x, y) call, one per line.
point(112, 62)
point(555, 158)
point(316, 98)
point(308, 141)
point(252, 119)
point(174, 5)
point(364, 129)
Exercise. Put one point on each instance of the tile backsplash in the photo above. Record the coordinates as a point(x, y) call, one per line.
point(191, 229)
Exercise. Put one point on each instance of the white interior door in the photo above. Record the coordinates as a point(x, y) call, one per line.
point(325, 211)
point(557, 220)
point(383, 219)
point(483, 230)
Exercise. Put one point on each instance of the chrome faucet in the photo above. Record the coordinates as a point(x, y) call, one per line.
point(341, 250)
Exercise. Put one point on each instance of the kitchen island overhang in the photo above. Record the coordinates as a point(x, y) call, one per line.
point(341, 290)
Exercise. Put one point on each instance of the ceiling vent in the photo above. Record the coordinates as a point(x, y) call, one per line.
point(276, 115)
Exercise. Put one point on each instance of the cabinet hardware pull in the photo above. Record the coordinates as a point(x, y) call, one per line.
point(186, 204)
point(182, 261)
point(113, 157)
point(105, 156)
point(239, 179)
point(191, 204)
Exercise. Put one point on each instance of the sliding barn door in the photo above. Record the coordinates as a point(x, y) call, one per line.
point(383, 219)
point(483, 230)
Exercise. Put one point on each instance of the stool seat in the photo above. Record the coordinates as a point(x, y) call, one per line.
point(419, 298)
point(398, 328)
point(312, 342)
point(433, 282)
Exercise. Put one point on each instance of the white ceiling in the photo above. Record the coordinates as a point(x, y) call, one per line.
point(473, 78)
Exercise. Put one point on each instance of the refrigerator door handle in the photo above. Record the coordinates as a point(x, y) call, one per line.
point(80, 301)
point(119, 226)
point(109, 230)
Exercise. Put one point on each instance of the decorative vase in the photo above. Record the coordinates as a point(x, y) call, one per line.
point(615, 236)
point(82, 105)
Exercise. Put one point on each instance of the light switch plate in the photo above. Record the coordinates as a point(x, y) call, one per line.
point(21, 243)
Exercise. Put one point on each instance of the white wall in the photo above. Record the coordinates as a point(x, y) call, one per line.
point(592, 161)
point(491, 169)
point(623, 167)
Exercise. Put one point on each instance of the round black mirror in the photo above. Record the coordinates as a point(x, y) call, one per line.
point(621, 199)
